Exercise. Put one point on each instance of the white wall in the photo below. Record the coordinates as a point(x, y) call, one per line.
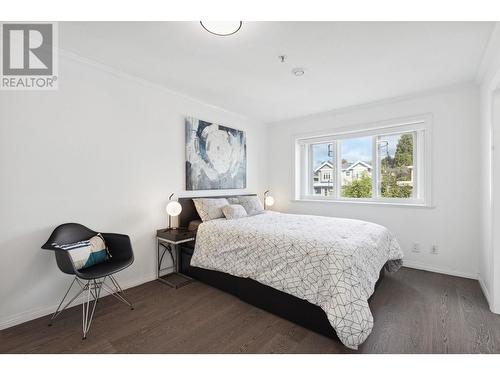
point(494, 256)
point(486, 255)
point(104, 150)
point(452, 224)
point(489, 266)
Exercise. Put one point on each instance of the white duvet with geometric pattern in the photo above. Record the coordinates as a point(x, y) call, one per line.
point(331, 262)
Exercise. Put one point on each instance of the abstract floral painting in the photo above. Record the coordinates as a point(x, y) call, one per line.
point(216, 156)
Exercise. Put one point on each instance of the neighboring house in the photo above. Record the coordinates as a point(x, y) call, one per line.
point(323, 179)
point(324, 176)
point(354, 171)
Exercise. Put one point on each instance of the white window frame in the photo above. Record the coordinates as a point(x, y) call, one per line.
point(420, 126)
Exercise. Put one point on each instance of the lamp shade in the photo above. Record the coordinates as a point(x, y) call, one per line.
point(269, 200)
point(174, 208)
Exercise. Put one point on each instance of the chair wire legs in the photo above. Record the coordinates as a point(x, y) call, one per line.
point(59, 310)
point(116, 291)
point(93, 290)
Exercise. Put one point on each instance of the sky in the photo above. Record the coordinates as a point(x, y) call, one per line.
point(354, 149)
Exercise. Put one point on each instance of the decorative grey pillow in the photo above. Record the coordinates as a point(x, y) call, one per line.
point(233, 200)
point(252, 204)
point(210, 208)
point(234, 211)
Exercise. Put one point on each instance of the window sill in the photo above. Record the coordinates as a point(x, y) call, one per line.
point(364, 202)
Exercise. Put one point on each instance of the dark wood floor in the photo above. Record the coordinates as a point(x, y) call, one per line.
point(414, 311)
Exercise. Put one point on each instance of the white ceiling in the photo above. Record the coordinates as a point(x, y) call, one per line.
point(345, 63)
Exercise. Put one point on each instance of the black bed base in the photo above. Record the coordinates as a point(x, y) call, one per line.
point(269, 299)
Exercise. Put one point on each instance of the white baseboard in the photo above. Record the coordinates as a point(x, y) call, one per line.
point(446, 271)
point(39, 312)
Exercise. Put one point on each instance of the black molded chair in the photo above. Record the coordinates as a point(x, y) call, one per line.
point(92, 279)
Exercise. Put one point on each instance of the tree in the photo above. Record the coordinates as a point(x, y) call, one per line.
point(396, 170)
point(404, 151)
point(390, 189)
point(359, 188)
point(387, 162)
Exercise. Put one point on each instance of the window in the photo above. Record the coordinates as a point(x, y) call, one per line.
point(322, 170)
point(356, 154)
point(384, 163)
point(396, 165)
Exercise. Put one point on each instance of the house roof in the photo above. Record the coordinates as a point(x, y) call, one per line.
point(345, 166)
point(324, 164)
point(350, 166)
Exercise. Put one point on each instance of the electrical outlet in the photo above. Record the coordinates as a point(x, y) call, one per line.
point(416, 247)
point(435, 249)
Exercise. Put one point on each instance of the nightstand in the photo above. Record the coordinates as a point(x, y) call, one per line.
point(167, 240)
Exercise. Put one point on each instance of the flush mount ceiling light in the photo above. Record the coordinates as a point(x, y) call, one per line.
point(297, 72)
point(221, 28)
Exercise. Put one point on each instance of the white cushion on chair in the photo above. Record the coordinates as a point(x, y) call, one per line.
point(85, 254)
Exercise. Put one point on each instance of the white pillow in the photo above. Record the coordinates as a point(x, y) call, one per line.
point(88, 253)
point(210, 208)
point(252, 204)
point(234, 211)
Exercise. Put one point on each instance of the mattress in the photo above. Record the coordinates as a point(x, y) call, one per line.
point(331, 262)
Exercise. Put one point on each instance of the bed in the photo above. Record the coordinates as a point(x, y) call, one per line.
point(319, 272)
